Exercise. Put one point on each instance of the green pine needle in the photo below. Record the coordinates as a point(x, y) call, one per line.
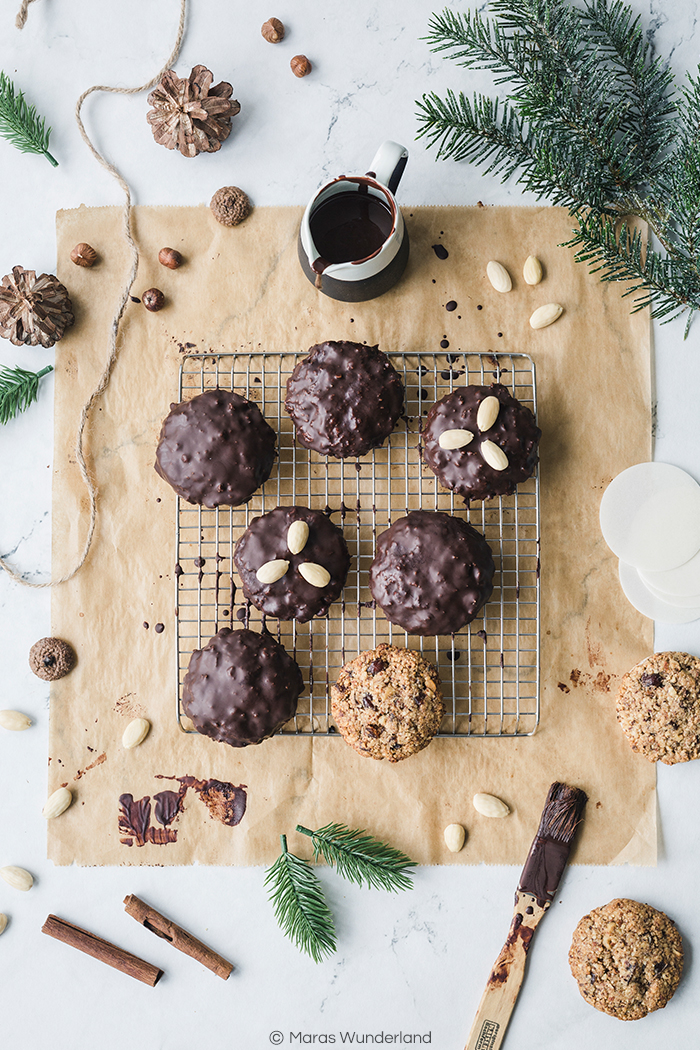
point(20, 123)
point(592, 121)
point(300, 907)
point(360, 858)
point(18, 389)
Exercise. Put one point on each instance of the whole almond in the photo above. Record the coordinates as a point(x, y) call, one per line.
point(532, 270)
point(57, 803)
point(494, 455)
point(454, 837)
point(135, 733)
point(315, 574)
point(546, 315)
point(297, 535)
point(3, 922)
point(18, 878)
point(14, 720)
point(489, 805)
point(272, 571)
point(450, 439)
point(499, 276)
point(488, 413)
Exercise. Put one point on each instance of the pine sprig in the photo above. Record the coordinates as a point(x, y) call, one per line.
point(360, 858)
point(300, 906)
point(592, 120)
point(20, 123)
point(18, 390)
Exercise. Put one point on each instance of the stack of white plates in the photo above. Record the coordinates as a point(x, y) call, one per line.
point(650, 518)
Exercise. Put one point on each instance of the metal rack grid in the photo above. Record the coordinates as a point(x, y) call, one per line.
point(489, 670)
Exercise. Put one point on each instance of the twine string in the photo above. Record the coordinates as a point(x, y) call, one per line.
point(121, 306)
point(22, 14)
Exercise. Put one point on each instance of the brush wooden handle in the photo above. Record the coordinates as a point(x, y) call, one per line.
point(504, 981)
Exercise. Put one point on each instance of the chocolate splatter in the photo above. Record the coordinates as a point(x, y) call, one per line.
point(225, 802)
point(159, 628)
point(452, 305)
point(98, 762)
point(564, 688)
point(168, 805)
point(440, 251)
point(134, 818)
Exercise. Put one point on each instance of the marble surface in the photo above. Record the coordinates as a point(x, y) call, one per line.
point(414, 963)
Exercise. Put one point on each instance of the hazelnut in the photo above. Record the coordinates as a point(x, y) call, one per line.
point(230, 205)
point(153, 299)
point(84, 255)
point(301, 67)
point(170, 257)
point(273, 30)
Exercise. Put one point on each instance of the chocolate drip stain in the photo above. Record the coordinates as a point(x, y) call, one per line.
point(226, 802)
point(134, 817)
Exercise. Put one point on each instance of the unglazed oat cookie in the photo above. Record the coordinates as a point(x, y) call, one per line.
point(387, 703)
point(658, 707)
point(627, 958)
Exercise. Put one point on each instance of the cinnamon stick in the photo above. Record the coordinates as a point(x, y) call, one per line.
point(179, 938)
point(108, 953)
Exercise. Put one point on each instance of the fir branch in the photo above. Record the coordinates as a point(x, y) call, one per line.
point(20, 123)
point(299, 903)
point(360, 858)
point(18, 390)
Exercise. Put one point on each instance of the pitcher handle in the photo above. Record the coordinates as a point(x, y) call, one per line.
point(388, 164)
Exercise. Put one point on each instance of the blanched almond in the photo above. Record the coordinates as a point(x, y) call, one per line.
point(315, 574)
point(488, 412)
point(451, 439)
point(135, 733)
point(494, 455)
point(297, 535)
point(489, 805)
point(272, 571)
point(454, 837)
point(499, 277)
point(532, 270)
point(57, 803)
point(3, 922)
point(14, 720)
point(18, 878)
point(546, 315)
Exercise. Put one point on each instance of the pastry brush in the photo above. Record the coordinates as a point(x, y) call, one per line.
point(549, 852)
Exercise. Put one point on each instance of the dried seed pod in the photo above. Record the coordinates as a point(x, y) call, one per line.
point(532, 270)
point(297, 536)
point(546, 315)
point(273, 30)
point(135, 733)
point(17, 878)
point(272, 571)
point(14, 720)
point(488, 413)
point(153, 299)
point(170, 257)
point(84, 255)
point(499, 276)
point(301, 67)
point(456, 438)
point(489, 805)
point(454, 837)
point(494, 455)
point(315, 574)
point(57, 803)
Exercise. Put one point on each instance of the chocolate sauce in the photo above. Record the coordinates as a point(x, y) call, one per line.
point(544, 868)
point(349, 226)
point(452, 305)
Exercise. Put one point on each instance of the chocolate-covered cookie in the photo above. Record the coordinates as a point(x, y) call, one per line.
point(480, 441)
point(241, 687)
point(344, 399)
point(432, 573)
point(216, 449)
point(293, 562)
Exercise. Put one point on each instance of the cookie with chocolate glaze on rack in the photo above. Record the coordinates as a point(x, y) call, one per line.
point(293, 563)
point(241, 687)
point(344, 399)
point(387, 703)
point(480, 441)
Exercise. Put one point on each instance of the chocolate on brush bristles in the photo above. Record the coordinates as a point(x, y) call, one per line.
point(549, 852)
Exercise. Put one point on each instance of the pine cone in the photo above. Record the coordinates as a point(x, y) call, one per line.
point(33, 309)
point(190, 114)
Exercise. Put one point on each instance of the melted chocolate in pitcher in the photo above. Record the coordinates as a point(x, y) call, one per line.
point(350, 226)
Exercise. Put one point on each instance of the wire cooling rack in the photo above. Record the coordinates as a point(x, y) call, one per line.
point(490, 669)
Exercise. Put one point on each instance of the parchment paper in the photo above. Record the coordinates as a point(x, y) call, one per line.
point(242, 288)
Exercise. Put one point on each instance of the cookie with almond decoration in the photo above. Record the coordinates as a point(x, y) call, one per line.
point(387, 703)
